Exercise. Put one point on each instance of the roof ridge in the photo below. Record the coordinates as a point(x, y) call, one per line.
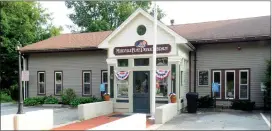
point(85, 32)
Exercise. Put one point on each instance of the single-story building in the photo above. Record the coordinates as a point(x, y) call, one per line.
point(190, 57)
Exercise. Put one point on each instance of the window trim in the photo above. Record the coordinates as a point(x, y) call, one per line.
point(220, 82)
point(198, 77)
point(38, 90)
point(101, 80)
point(55, 72)
point(244, 84)
point(149, 64)
point(234, 82)
point(82, 75)
point(122, 59)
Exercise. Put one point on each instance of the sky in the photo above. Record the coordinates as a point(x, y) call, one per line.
point(181, 11)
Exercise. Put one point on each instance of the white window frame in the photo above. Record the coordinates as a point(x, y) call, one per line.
point(102, 78)
point(56, 72)
point(240, 71)
point(83, 82)
point(226, 83)
point(220, 82)
point(39, 90)
point(198, 77)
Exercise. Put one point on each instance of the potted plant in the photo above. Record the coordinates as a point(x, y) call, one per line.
point(173, 97)
point(107, 96)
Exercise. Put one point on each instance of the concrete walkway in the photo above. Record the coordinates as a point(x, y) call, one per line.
point(217, 121)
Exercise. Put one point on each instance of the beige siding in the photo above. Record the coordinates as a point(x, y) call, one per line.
point(225, 56)
point(72, 64)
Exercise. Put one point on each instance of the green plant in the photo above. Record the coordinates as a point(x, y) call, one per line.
point(267, 83)
point(68, 95)
point(83, 100)
point(205, 101)
point(51, 100)
point(14, 91)
point(31, 102)
point(244, 105)
point(5, 97)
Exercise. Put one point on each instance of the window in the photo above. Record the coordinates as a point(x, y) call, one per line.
point(122, 88)
point(58, 83)
point(161, 87)
point(122, 62)
point(243, 84)
point(203, 78)
point(181, 78)
point(41, 82)
point(217, 79)
point(104, 79)
point(141, 62)
point(141, 29)
point(230, 84)
point(162, 61)
point(87, 82)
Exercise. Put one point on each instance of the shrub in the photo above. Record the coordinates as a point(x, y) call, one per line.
point(51, 100)
point(244, 105)
point(83, 100)
point(267, 83)
point(14, 92)
point(5, 97)
point(68, 95)
point(205, 102)
point(34, 101)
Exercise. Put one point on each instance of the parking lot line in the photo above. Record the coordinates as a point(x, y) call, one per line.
point(265, 119)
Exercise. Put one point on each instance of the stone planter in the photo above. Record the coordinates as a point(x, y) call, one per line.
point(52, 105)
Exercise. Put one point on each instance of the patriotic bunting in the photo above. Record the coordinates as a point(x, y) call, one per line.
point(122, 75)
point(162, 73)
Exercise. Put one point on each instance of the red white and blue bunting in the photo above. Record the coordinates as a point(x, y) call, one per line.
point(122, 75)
point(160, 74)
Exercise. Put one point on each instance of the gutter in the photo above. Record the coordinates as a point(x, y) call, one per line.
point(195, 71)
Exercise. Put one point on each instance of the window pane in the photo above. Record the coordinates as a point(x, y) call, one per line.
point(243, 91)
point(87, 89)
point(41, 89)
point(141, 62)
point(87, 77)
point(216, 77)
point(230, 84)
point(41, 77)
point(105, 77)
point(181, 77)
point(58, 89)
point(217, 94)
point(162, 61)
point(122, 88)
point(58, 77)
point(161, 87)
point(122, 62)
point(243, 78)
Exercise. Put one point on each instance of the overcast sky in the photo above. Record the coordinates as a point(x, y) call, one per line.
point(181, 11)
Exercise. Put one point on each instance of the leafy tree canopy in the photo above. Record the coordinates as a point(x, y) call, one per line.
point(91, 16)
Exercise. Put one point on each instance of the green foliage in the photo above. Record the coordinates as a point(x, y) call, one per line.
point(51, 100)
point(267, 83)
point(34, 101)
point(91, 16)
point(205, 102)
point(83, 100)
point(5, 97)
point(21, 23)
point(244, 105)
point(68, 95)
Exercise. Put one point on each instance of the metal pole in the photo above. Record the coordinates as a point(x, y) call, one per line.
point(153, 88)
point(20, 102)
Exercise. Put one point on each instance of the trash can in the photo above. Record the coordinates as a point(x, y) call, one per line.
point(192, 102)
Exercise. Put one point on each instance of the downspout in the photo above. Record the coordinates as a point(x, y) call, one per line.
point(195, 71)
point(190, 71)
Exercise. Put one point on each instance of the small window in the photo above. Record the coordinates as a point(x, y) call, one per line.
point(122, 88)
point(161, 87)
point(122, 62)
point(104, 78)
point(181, 78)
point(203, 78)
point(87, 82)
point(41, 82)
point(58, 83)
point(217, 79)
point(162, 61)
point(141, 62)
point(243, 85)
point(141, 29)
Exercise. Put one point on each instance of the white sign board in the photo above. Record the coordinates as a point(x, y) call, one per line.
point(262, 87)
point(25, 75)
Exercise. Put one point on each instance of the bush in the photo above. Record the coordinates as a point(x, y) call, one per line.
point(34, 101)
point(267, 83)
point(68, 95)
point(244, 105)
point(5, 97)
point(14, 92)
point(205, 102)
point(83, 100)
point(51, 100)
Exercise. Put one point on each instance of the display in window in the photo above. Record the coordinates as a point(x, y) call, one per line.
point(161, 87)
point(122, 88)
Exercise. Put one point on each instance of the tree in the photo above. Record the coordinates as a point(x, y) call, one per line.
point(20, 23)
point(91, 16)
point(267, 83)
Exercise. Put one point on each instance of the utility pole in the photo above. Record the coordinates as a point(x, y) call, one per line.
point(20, 102)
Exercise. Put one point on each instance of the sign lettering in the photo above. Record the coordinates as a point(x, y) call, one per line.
point(148, 49)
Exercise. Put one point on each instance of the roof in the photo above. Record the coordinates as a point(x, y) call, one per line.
point(206, 31)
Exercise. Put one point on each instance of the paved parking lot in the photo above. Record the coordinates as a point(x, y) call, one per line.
point(61, 115)
point(217, 121)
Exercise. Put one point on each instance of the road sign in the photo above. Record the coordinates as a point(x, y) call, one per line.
point(25, 75)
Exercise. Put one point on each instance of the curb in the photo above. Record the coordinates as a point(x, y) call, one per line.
point(68, 123)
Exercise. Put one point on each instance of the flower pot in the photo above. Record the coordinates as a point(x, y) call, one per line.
point(173, 99)
point(107, 97)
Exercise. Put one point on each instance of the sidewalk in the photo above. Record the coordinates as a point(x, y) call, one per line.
point(91, 123)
